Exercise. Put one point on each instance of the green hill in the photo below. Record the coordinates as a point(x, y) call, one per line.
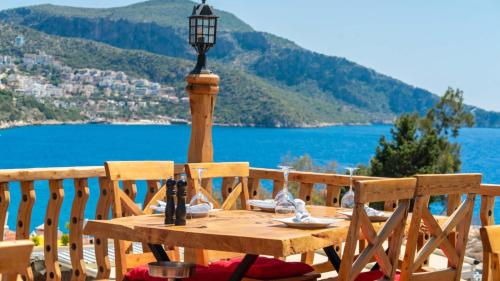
point(244, 98)
point(255, 66)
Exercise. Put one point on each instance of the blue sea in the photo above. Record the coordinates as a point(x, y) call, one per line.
point(83, 145)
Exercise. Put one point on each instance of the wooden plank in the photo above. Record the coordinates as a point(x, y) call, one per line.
point(306, 177)
point(253, 188)
point(50, 229)
point(25, 209)
point(448, 184)
point(218, 170)
point(101, 242)
point(305, 192)
point(139, 170)
point(332, 195)
point(487, 218)
point(76, 229)
point(227, 187)
point(8, 175)
point(277, 186)
point(383, 190)
point(490, 190)
point(4, 206)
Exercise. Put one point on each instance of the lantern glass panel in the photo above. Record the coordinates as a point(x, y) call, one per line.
point(205, 22)
point(199, 30)
point(199, 22)
point(212, 22)
point(211, 39)
point(193, 22)
point(211, 31)
point(205, 30)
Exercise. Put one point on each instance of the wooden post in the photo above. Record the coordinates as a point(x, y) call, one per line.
point(203, 90)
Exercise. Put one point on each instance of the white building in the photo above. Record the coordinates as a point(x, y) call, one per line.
point(19, 41)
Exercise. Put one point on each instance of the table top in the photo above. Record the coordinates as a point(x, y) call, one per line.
point(250, 232)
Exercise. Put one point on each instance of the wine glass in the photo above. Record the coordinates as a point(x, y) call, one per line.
point(199, 197)
point(348, 198)
point(284, 199)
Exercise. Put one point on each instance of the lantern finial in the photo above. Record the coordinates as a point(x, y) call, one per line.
point(203, 1)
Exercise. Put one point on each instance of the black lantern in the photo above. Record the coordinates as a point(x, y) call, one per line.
point(202, 34)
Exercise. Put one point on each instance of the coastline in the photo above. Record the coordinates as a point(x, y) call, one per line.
point(148, 122)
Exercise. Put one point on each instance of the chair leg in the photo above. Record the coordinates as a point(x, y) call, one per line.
point(28, 274)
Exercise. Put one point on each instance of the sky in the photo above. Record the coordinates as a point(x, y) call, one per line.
point(426, 43)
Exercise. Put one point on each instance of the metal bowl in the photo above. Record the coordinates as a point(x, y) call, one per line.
point(171, 270)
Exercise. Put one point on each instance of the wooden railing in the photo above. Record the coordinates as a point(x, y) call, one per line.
point(487, 215)
point(306, 180)
point(55, 176)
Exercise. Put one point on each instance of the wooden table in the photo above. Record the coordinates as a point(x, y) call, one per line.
point(251, 232)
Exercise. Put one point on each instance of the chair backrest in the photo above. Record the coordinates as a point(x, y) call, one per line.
point(128, 172)
point(15, 259)
point(155, 173)
point(449, 234)
point(234, 182)
point(361, 227)
point(490, 235)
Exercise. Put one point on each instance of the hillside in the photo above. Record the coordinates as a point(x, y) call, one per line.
point(314, 88)
point(244, 99)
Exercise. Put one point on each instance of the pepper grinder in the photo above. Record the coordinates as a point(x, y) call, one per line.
point(180, 212)
point(170, 207)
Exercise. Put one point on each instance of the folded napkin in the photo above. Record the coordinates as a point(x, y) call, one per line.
point(200, 208)
point(301, 213)
point(374, 213)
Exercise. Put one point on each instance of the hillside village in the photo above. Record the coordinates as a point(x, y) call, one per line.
point(100, 95)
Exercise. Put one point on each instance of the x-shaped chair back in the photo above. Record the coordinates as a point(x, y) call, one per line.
point(154, 173)
point(361, 227)
point(234, 182)
point(234, 185)
point(451, 237)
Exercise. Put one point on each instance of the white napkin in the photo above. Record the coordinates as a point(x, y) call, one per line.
point(301, 213)
point(200, 208)
point(373, 213)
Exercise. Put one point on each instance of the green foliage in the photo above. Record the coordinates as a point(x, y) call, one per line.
point(36, 240)
point(65, 239)
point(422, 145)
point(305, 163)
point(17, 107)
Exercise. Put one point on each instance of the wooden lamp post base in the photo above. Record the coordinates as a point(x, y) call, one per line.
point(203, 90)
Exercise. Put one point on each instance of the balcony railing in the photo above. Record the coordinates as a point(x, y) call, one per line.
point(307, 183)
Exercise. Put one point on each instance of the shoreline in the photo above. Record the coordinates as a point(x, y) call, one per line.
point(147, 122)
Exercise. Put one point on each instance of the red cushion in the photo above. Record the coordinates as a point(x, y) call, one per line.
point(373, 276)
point(263, 268)
point(268, 268)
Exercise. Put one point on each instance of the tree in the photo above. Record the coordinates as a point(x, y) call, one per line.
point(422, 145)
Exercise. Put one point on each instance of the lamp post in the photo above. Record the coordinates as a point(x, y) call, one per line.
point(202, 84)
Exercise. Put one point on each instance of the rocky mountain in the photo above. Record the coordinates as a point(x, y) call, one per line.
point(254, 66)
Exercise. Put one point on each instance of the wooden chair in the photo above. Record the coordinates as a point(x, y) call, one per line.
point(490, 235)
point(361, 227)
point(234, 186)
point(234, 183)
point(451, 237)
point(153, 172)
point(15, 259)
